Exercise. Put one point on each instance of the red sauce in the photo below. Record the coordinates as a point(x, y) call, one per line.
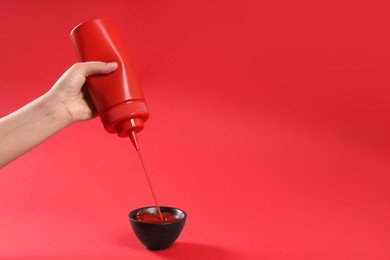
point(148, 217)
point(151, 187)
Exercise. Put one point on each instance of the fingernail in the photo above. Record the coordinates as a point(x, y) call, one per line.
point(112, 65)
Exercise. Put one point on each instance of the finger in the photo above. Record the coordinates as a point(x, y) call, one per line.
point(87, 97)
point(95, 67)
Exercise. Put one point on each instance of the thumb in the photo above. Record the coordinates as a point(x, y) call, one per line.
point(95, 67)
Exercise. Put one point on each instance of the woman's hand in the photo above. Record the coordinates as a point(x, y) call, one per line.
point(65, 103)
point(69, 92)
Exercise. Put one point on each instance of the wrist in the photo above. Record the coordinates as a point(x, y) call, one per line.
point(55, 109)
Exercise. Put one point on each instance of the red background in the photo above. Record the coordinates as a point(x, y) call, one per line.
point(270, 124)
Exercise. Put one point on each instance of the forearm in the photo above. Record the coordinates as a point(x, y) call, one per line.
point(63, 105)
point(29, 126)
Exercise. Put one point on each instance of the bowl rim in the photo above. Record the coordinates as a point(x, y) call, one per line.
point(163, 223)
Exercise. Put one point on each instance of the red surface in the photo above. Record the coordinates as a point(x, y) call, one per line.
point(272, 116)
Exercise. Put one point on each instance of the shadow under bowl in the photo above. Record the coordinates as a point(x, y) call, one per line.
point(157, 236)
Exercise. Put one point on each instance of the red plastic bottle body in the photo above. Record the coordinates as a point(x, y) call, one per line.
point(118, 97)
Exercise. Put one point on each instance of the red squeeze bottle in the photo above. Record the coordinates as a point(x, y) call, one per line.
point(117, 96)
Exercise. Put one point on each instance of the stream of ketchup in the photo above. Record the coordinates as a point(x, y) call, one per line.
point(150, 185)
point(149, 217)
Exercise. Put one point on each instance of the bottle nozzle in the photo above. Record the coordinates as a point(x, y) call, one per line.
point(133, 138)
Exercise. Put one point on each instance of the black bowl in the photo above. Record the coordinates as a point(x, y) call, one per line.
point(156, 236)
